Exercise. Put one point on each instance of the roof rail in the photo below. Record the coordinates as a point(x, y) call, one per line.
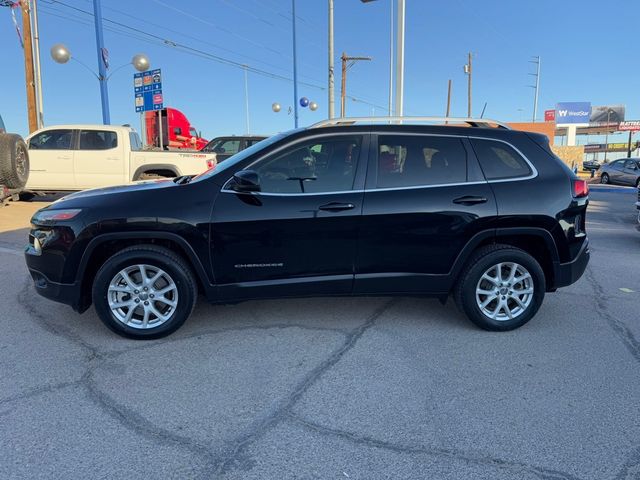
point(473, 122)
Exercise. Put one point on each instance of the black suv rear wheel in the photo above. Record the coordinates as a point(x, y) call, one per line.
point(144, 292)
point(501, 288)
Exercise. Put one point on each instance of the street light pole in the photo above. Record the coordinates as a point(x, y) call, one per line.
point(331, 65)
point(102, 67)
point(399, 110)
point(295, 66)
point(36, 61)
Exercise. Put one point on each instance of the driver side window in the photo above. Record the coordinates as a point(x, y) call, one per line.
point(319, 166)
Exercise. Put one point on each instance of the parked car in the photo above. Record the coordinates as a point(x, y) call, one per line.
point(76, 157)
point(14, 164)
point(638, 207)
point(225, 147)
point(333, 209)
point(625, 171)
point(590, 165)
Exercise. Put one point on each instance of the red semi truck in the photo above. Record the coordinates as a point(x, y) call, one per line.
point(177, 132)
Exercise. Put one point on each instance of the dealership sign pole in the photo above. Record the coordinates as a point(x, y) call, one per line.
point(147, 91)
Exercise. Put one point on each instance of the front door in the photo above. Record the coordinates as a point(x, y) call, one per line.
point(99, 160)
point(297, 236)
point(630, 172)
point(51, 160)
point(425, 198)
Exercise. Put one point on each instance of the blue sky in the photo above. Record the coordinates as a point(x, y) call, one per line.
point(580, 61)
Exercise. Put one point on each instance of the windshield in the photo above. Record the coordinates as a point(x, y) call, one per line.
point(240, 156)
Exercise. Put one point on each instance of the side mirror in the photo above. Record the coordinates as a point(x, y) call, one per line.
point(246, 181)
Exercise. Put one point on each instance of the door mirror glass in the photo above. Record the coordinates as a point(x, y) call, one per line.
point(246, 181)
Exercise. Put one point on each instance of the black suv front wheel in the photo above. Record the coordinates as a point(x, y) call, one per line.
point(144, 292)
point(501, 288)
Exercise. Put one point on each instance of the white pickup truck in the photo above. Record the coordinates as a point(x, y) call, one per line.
point(77, 157)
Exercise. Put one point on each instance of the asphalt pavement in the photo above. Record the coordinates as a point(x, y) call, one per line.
point(361, 388)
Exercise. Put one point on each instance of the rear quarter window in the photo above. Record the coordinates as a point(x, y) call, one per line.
point(499, 161)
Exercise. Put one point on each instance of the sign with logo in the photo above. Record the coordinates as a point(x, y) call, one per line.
point(611, 147)
point(629, 126)
point(549, 115)
point(600, 115)
point(573, 112)
point(147, 90)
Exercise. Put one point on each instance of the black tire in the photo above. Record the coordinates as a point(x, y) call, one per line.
point(638, 182)
point(178, 270)
point(26, 196)
point(14, 161)
point(604, 178)
point(480, 262)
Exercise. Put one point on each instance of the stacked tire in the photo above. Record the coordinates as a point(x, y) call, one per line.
point(14, 161)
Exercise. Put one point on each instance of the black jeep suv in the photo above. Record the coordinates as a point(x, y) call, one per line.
point(482, 212)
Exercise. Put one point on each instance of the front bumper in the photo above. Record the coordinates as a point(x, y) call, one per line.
point(67, 293)
point(570, 272)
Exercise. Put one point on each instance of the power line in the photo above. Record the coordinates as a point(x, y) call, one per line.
point(156, 39)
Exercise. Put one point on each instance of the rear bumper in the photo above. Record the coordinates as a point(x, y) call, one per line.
point(570, 272)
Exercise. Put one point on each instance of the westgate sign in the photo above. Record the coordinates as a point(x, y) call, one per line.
point(573, 113)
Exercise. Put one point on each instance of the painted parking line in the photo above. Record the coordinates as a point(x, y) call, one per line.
point(611, 188)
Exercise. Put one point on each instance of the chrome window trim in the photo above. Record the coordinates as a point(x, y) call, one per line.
point(534, 171)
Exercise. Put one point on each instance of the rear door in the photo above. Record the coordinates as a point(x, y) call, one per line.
point(51, 160)
point(424, 200)
point(99, 160)
point(616, 171)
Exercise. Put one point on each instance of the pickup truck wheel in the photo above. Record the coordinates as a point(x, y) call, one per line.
point(14, 161)
point(501, 288)
point(144, 292)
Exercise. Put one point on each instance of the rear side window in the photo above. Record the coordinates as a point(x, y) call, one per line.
point(499, 161)
point(98, 140)
point(134, 140)
point(415, 160)
point(51, 140)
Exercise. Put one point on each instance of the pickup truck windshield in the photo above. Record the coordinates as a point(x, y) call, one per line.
point(240, 156)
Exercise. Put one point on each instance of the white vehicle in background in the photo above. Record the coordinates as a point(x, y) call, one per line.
point(77, 157)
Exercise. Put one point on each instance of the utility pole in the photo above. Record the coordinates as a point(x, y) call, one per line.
point(448, 99)
point(536, 86)
point(399, 110)
point(246, 97)
point(36, 62)
point(102, 62)
point(295, 66)
point(28, 66)
point(345, 66)
point(332, 112)
point(468, 69)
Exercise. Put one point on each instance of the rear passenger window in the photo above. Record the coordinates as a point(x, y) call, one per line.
point(499, 161)
point(98, 140)
point(415, 160)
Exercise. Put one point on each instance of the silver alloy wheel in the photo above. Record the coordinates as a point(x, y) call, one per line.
point(142, 296)
point(504, 291)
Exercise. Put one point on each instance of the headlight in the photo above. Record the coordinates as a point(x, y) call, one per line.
point(50, 216)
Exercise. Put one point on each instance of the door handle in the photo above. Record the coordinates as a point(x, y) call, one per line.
point(336, 207)
point(470, 200)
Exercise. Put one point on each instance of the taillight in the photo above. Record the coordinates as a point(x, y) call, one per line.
point(211, 163)
point(580, 188)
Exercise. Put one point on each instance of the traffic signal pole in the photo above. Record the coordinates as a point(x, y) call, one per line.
point(102, 66)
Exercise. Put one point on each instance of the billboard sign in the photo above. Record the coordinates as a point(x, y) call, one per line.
point(629, 126)
point(549, 115)
point(600, 115)
point(573, 113)
point(611, 147)
point(147, 90)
